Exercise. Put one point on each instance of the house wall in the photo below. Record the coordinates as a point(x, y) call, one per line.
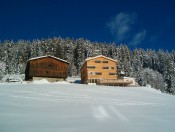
point(47, 67)
point(84, 76)
point(98, 68)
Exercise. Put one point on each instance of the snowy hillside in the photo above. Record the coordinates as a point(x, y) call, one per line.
point(64, 107)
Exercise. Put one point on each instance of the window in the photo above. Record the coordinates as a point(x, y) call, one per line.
point(98, 73)
point(93, 80)
point(111, 73)
point(97, 61)
point(92, 73)
point(91, 67)
point(105, 67)
point(112, 67)
point(50, 66)
point(105, 61)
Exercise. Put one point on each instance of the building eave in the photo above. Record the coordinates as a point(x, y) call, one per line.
point(40, 57)
point(90, 58)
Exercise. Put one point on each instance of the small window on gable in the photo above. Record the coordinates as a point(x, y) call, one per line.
point(105, 61)
point(98, 73)
point(91, 67)
point(112, 67)
point(97, 61)
point(111, 73)
point(105, 67)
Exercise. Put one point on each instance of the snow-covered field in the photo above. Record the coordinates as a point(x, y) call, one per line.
point(64, 107)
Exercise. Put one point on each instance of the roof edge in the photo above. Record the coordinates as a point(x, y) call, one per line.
point(35, 58)
point(90, 58)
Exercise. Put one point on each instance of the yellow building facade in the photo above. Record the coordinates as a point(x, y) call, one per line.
point(97, 68)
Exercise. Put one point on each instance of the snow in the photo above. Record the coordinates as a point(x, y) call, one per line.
point(90, 58)
point(12, 78)
point(42, 81)
point(48, 56)
point(69, 107)
point(73, 79)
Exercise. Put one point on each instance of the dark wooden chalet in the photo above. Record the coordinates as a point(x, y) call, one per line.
point(48, 67)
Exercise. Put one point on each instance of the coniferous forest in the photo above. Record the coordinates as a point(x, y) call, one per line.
point(156, 68)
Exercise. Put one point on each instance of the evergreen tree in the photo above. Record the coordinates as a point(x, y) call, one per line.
point(147, 66)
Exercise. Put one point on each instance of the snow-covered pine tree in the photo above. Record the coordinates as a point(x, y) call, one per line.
point(79, 55)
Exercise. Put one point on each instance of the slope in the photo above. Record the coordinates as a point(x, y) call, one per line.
point(52, 107)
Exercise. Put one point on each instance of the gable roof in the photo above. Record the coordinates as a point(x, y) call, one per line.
point(91, 58)
point(50, 57)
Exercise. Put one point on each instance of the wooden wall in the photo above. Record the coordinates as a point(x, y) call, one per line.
point(84, 75)
point(98, 68)
point(46, 67)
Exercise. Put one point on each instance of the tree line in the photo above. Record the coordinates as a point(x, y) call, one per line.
point(156, 68)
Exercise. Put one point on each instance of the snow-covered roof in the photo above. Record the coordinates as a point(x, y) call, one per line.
point(48, 56)
point(90, 58)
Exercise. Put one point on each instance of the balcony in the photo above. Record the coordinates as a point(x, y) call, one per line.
point(114, 82)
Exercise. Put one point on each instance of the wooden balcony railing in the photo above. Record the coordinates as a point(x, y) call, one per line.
point(114, 82)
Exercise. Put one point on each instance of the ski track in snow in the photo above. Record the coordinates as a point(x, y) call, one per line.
point(79, 108)
point(102, 114)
